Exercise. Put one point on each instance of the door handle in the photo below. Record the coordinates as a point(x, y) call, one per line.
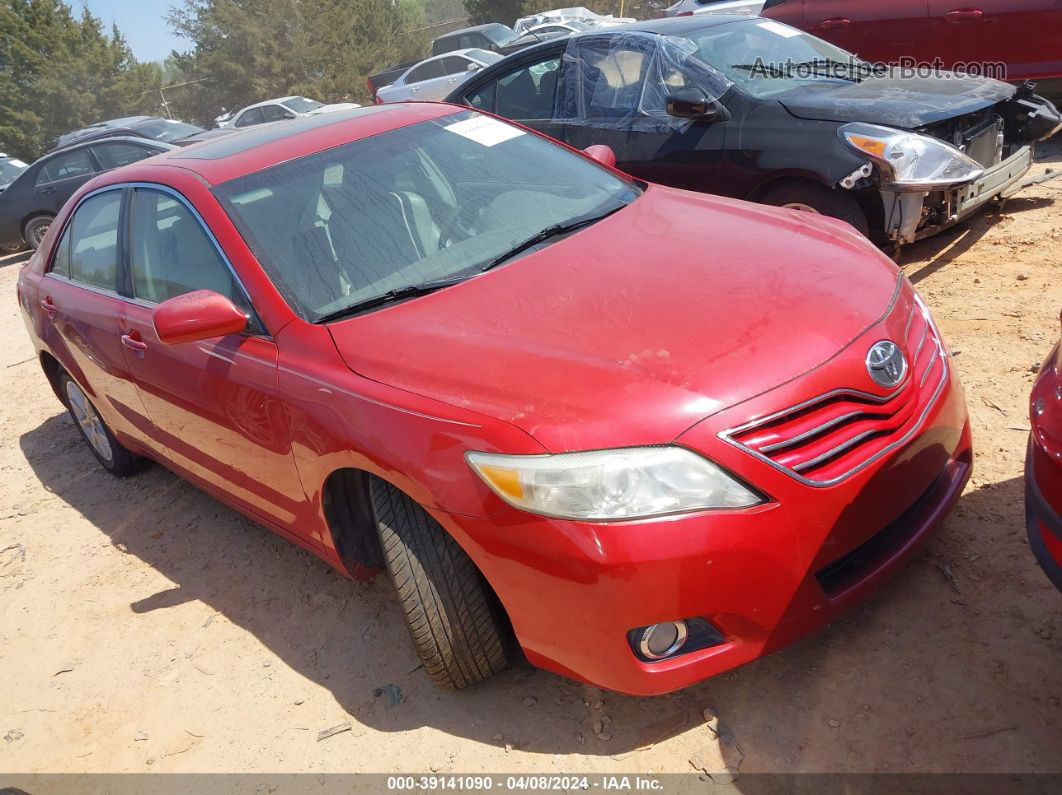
point(133, 341)
point(964, 15)
point(47, 305)
point(836, 22)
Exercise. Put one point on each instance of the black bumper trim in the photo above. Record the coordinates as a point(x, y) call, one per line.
point(1037, 513)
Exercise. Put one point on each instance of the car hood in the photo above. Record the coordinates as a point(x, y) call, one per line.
point(633, 329)
point(896, 102)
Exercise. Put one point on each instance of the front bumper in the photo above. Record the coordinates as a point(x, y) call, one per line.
point(905, 219)
point(1042, 522)
point(762, 577)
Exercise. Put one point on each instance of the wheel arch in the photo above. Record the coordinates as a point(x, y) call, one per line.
point(347, 506)
point(51, 368)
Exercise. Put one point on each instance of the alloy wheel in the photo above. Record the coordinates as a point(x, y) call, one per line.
point(90, 422)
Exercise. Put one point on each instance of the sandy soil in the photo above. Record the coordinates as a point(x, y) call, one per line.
point(146, 627)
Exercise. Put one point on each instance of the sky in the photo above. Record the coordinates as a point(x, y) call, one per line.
point(142, 22)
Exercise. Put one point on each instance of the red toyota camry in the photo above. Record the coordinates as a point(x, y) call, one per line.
point(650, 434)
point(1043, 468)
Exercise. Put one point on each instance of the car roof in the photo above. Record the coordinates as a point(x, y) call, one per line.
point(473, 29)
point(667, 26)
point(265, 102)
point(263, 146)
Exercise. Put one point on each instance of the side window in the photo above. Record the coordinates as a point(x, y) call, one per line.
point(170, 253)
point(68, 166)
point(525, 93)
point(275, 113)
point(61, 260)
point(114, 155)
point(93, 244)
point(613, 80)
point(426, 71)
point(454, 64)
point(251, 117)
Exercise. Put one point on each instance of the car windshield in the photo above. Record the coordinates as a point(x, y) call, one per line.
point(435, 201)
point(9, 169)
point(301, 104)
point(758, 55)
point(167, 130)
point(500, 35)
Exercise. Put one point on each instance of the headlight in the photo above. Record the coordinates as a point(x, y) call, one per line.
point(909, 159)
point(631, 483)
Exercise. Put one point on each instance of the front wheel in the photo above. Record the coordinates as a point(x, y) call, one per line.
point(451, 613)
point(811, 198)
point(34, 230)
point(112, 456)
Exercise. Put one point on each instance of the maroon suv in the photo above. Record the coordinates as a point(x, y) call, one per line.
point(1025, 35)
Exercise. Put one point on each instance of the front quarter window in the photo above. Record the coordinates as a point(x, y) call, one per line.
point(433, 202)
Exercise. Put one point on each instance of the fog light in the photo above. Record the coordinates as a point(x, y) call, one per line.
point(662, 640)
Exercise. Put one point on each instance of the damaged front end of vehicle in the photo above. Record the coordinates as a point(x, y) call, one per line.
point(933, 176)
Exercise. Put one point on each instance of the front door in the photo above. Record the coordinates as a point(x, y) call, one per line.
point(615, 93)
point(215, 403)
point(527, 94)
point(882, 30)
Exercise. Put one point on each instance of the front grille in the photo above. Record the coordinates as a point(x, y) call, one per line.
point(825, 440)
point(983, 146)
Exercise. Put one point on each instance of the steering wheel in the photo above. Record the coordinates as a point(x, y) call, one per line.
point(457, 225)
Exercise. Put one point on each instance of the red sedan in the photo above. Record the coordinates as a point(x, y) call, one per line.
point(652, 434)
point(1043, 469)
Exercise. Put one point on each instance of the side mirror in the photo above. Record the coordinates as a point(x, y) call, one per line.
point(602, 154)
point(692, 103)
point(474, 67)
point(289, 115)
point(195, 316)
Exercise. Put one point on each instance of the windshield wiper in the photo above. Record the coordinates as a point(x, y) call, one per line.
point(546, 234)
point(398, 294)
point(831, 64)
point(774, 70)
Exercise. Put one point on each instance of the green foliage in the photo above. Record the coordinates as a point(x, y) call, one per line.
point(504, 11)
point(59, 72)
point(246, 51)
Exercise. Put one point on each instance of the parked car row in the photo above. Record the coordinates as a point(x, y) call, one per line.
point(281, 109)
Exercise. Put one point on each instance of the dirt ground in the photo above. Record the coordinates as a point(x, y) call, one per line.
point(146, 627)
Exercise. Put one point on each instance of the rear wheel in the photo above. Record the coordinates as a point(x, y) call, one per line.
point(34, 230)
point(811, 198)
point(451, 613)
point(112, 456)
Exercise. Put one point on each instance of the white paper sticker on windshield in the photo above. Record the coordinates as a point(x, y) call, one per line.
point(484, 130)
point(777, 27)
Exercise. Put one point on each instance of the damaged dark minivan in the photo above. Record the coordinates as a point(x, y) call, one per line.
point(754, 109)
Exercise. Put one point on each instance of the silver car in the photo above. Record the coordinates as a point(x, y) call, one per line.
point(436, 77)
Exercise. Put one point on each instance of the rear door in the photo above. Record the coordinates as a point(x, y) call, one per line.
point(61, 176)
point(1024, 35)
point(427, 80)
point(214, 404)
point(82, 312)
point(877, 30)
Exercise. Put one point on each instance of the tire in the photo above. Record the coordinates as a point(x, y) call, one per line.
point(34, 230)
point(810, 197)
point(112, 456)
point(451, 613)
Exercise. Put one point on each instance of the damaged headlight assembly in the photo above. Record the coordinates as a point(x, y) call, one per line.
point(909, 161)
point(612, 485)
